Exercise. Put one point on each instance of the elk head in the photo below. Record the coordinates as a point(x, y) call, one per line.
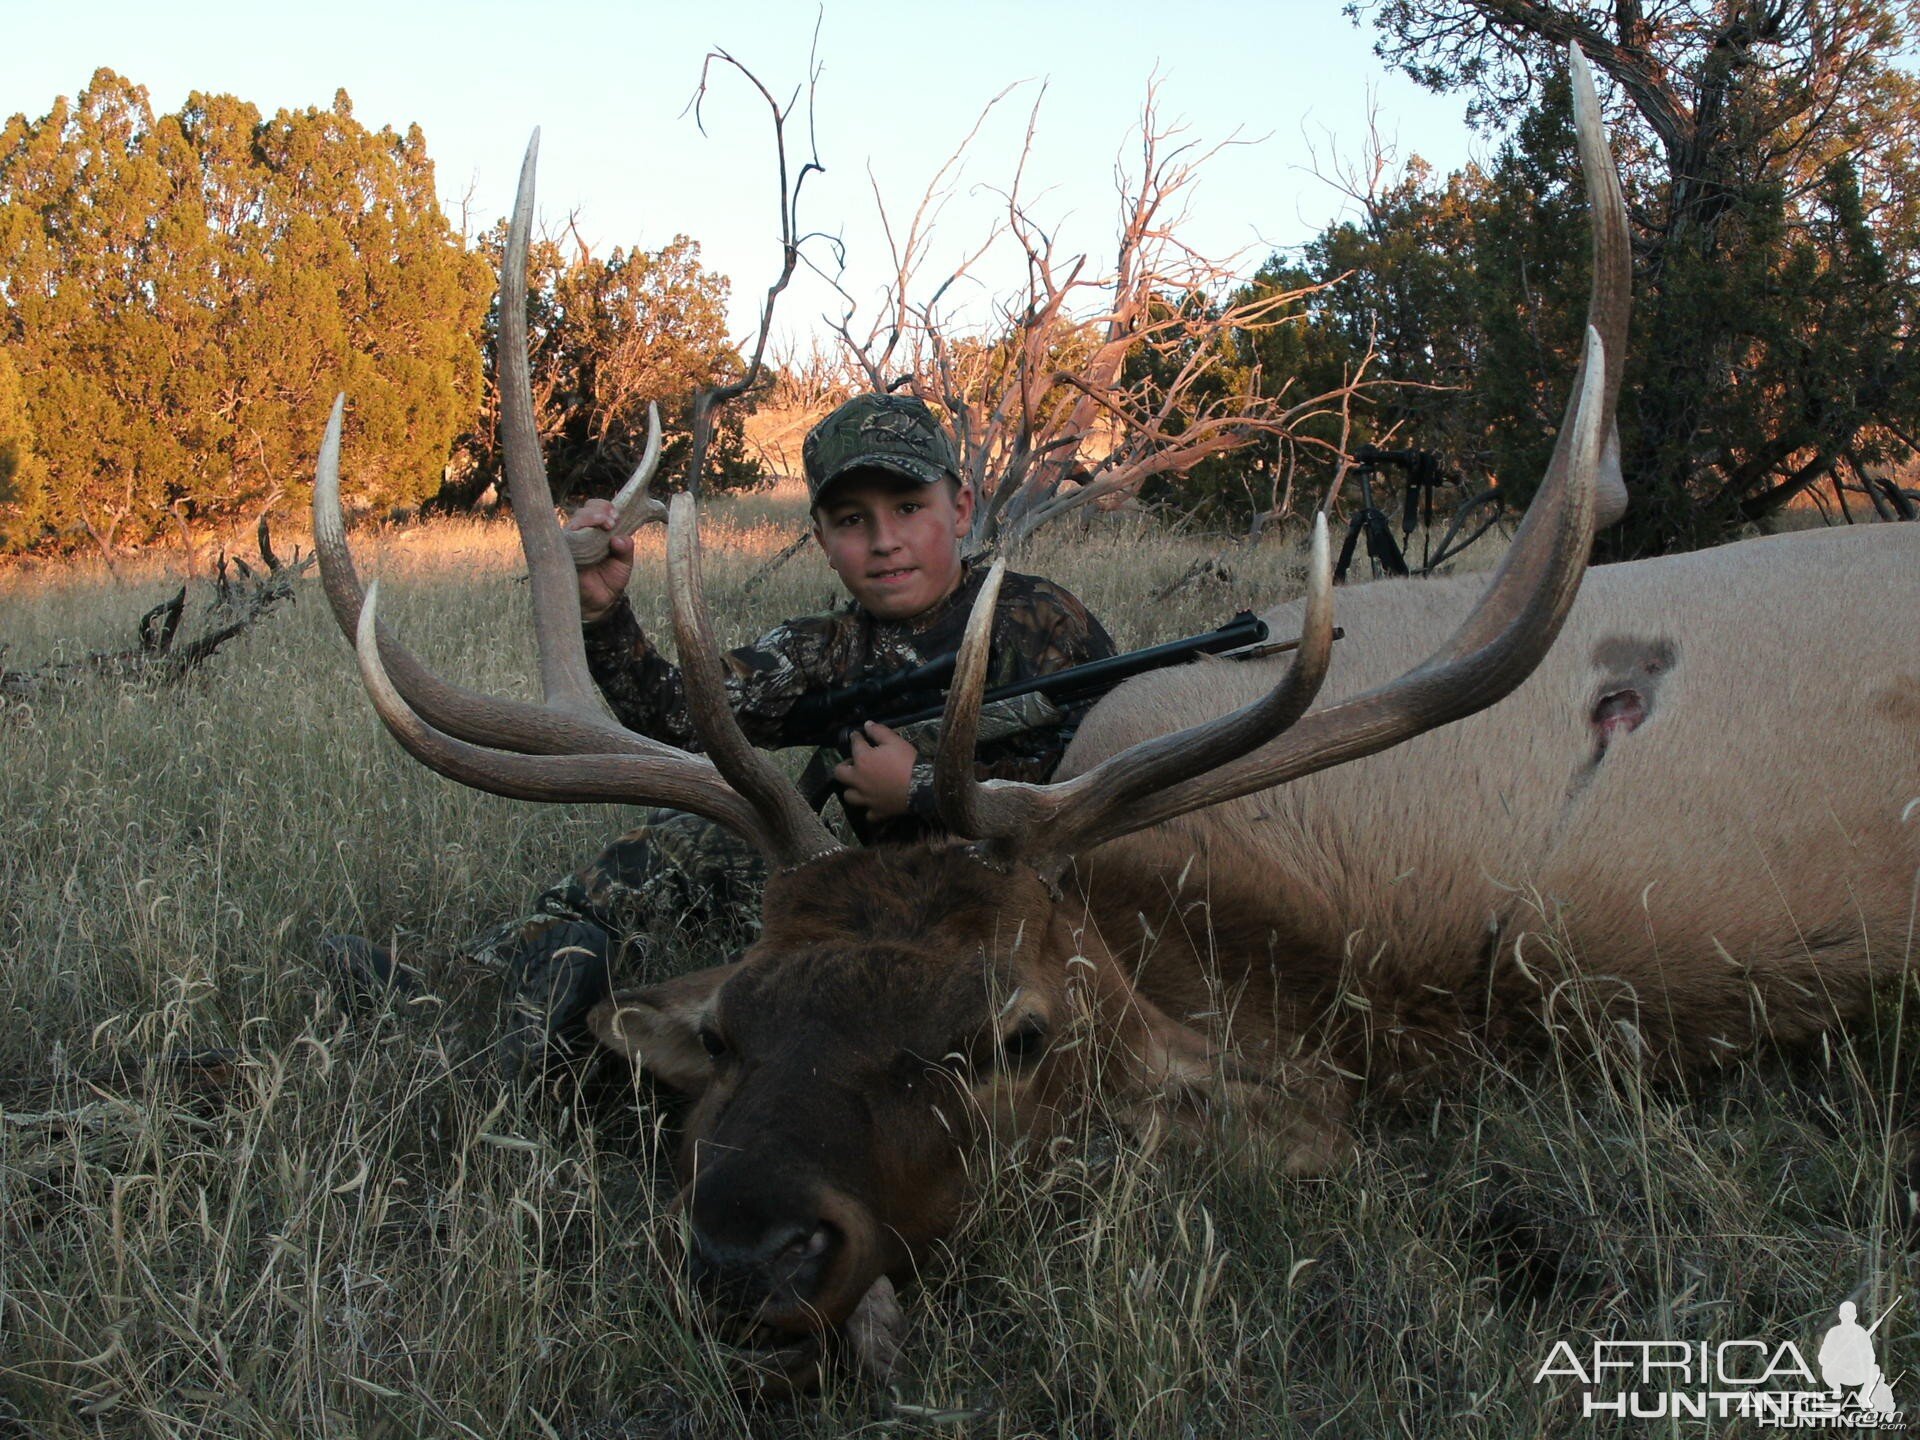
point(904, 1006)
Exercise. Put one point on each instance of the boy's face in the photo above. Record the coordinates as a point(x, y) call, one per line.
point(894, 542)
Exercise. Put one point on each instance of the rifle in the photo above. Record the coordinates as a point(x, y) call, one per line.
point(912, 702)
point(909, 697)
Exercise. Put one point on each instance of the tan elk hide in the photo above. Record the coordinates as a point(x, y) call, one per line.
point(1706, 798)
point(1705, 785)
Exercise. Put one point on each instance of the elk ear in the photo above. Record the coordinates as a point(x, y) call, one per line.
point(658, 1028)
point(1180, 1082)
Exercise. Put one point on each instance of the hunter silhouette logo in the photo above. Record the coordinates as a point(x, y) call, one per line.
point(1770, 1384)
point(1847, 1363)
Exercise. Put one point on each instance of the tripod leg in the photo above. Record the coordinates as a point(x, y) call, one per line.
point(1346, 549)
point(1380, 543)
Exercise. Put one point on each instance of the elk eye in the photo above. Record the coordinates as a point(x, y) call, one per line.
point(1026, 1042)
point(711, 1042)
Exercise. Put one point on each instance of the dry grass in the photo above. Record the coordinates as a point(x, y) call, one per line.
point(344, 1227)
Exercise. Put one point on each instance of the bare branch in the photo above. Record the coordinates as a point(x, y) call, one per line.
point(709, 397)
point(240, 601)
point(1091, 379)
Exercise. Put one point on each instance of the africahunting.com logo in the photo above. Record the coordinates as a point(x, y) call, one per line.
point(1769, 1384)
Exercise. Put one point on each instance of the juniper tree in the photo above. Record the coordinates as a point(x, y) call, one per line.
point(1769, 153)
point(23, 474)
point(608, 337)
point(184, 293)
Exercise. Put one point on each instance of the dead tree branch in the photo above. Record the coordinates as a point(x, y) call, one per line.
point(242, 597)
point(710, 397)
point(1089, 381)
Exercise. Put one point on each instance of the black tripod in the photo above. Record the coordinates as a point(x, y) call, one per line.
point(1424, 476)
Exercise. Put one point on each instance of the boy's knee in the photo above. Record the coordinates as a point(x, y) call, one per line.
point(676, 869)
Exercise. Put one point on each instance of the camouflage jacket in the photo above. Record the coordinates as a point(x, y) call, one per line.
point(1038, 628)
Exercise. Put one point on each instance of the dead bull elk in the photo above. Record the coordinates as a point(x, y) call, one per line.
point(1654, 786)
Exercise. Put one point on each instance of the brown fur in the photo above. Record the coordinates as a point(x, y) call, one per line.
point(1738, 863)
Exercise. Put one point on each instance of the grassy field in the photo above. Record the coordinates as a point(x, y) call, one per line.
point(347, 1227)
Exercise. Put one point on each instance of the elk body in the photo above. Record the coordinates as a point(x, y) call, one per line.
point(1703, 798)
point(1169, 921)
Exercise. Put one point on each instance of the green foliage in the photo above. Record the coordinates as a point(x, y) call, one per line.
point(1403, 299)
point(1472, 291)
point(23, 474)
point(1390, 298)
point(608, 336)
point(1772, 171)
point(185, 293)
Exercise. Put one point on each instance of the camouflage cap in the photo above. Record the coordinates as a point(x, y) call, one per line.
point(882, 432)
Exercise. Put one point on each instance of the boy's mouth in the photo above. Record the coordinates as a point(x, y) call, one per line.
point(888, 577)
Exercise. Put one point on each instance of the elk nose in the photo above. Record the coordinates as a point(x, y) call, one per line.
point(786, 1260)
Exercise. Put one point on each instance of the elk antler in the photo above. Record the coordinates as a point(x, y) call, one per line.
point(1050, 819)
point(801, 832)
point(573, 710)
point(556, 593)
point(466, 714)
point(1502, 639)
point(635, 505)
point(568, 748)
point(669, 777)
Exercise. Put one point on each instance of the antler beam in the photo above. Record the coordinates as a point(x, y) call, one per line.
point(567, 748)
point(1495, 648)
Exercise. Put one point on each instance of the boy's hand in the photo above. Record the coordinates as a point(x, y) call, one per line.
point(603, 583)
point(880, 773)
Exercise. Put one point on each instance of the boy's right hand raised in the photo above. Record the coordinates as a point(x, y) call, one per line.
point(605, 581)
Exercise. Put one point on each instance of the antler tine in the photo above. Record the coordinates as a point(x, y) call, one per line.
point(467, 714)
point(1611, 304)
point(671, 777)
point(1608, 308)
point(798, 833)
point(634, 506)
point(965, 808)
point(556, 593)
point(1048, 823)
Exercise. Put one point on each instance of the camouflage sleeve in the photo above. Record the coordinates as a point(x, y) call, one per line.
point(1047, 629)
point(647, 694)
point(1057, 632)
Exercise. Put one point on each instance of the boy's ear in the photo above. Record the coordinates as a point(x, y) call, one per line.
point(963, 507)
point(658, 1028)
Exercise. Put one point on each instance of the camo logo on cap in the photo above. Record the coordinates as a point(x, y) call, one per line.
point(896, 428)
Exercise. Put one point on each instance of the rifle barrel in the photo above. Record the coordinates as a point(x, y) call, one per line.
point(836, 709)
point(1096, 677)
point(825, 717)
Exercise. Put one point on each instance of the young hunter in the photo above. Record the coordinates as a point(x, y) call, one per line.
point(890, 512)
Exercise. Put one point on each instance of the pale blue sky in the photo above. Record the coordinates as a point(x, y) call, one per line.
point(608, 83)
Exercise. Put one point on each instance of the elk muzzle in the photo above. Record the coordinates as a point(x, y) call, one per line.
point(776, 1250)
